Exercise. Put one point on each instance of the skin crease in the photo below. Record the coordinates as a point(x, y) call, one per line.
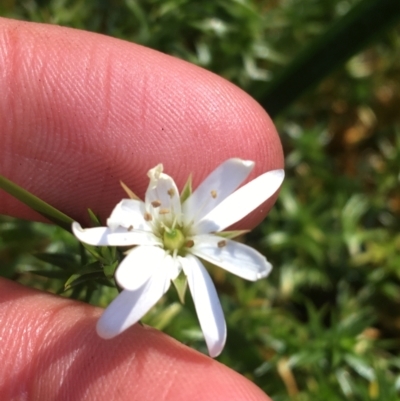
point(79, 112)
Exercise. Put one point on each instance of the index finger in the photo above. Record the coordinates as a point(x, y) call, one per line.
point(81, 111)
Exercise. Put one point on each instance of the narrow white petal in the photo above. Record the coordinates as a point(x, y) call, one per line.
point(241, 202)
point(215, 188)
point(163, 192)
point(130, 306)
point(104, 236)
point(206, 302)
point(129, 213)
point(232, 256)
point(139, 265)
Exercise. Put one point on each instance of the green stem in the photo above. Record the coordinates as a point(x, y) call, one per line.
point(43, 208)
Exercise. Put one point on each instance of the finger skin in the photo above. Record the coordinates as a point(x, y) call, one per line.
point(81, 111)
point(50, 351)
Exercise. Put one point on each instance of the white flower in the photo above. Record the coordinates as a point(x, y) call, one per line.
point(172, 233)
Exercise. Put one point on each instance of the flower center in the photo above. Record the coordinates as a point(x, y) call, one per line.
point(173, 239)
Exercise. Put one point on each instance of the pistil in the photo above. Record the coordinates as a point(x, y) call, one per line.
point(173, 239)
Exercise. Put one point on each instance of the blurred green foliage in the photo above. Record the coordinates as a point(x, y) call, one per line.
point(326, 324)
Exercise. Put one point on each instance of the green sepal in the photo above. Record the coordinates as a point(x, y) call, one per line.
point(231, 234)
point(180, 283)
point(94, 219)
point(130, 193)
point(43, 208)
point(187, 189)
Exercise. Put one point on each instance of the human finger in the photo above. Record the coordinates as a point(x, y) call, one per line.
point(50, 351)
point(79, 112)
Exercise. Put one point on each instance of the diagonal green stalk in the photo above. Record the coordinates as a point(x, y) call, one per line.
point(342, 40)
point(43, 208)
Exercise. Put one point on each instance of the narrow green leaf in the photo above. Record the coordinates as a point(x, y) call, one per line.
point(109, 254)
point(94, 252)
point(94, 267)
point(65, 261)
point(77, 279)
point(104, 281)
point(46, 210)
point(83, 254)
point(109, 270)
point(60, 274)
point(71, 280)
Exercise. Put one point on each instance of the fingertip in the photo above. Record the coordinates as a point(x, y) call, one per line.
point(58, 355)
point(82, 111)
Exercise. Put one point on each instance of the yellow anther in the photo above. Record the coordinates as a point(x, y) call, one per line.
point(130, 228)
point(171, 192)
point(214, 193)
point(189, 243)
point(221, 244)
point(164, 211)
point(148, 217)
point(156, 203)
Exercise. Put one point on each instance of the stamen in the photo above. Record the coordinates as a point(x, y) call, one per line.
point(164, 211)
point(221, 244)
point(171, 192)
point(130, 228)
point(156, 203)
point(189, 243)
point(201, 207)
point(166, 228)
point(147, 216)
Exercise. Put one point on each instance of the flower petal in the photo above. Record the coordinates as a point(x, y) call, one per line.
point(130, 306)
point(139, 265)
point(206, 302)
point(162, 196)
point(241, 202)
point(215, 188)
point(104, 236)
point(232, 256)
point(129, 213)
